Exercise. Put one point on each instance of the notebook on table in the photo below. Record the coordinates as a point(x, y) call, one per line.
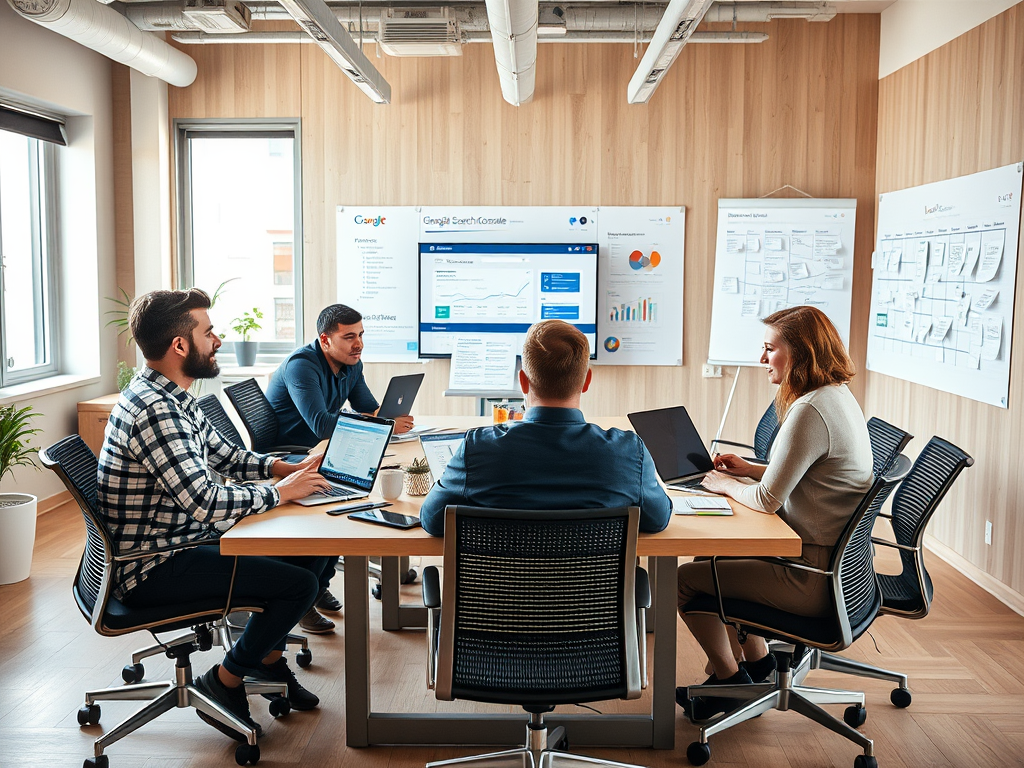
point(352, 458)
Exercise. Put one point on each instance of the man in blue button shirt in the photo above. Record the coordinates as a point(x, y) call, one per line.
point(314, 383)
point(552, 459)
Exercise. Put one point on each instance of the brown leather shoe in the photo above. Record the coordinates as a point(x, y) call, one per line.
point(316, 624)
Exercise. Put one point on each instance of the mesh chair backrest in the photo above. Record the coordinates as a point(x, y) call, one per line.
point(853, 561)
point(75, 464)
point(256, 412)
point(765, 433)
point(915, 501)
point(214, 411)
point(541, 606)
point(887, 442)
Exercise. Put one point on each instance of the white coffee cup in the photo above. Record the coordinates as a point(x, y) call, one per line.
point(391, 483)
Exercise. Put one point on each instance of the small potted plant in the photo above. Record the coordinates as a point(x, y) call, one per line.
point(245, 350)
point(17, 510)
point(417, 478)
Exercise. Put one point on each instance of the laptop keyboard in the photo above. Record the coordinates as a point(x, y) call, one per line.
point(339, 493)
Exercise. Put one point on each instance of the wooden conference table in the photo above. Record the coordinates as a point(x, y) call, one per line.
point(295, 530)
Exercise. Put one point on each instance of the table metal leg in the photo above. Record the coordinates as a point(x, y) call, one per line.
point(394, 615)
point(357, 651)
point(664, 678)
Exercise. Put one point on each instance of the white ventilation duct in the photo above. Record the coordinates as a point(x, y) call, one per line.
point(106, 31)
point(514, 34)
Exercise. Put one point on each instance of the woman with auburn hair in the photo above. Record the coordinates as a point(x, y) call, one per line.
point(818, 471)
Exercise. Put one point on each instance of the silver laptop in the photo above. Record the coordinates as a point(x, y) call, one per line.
point(675, 445)
point(439, 450)
point(352, 459)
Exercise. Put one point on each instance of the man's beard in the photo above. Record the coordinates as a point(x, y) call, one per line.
point(198, 366)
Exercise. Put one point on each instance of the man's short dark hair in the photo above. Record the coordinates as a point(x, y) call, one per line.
point(335, 315)
point(157, 318)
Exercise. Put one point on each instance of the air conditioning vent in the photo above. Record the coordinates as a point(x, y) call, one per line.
point(217, 16)
point(419, 32)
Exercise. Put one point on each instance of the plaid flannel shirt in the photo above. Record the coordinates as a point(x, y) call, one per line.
point(155, 485)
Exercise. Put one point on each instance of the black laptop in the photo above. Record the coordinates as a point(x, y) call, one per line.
point(678, 452)
point(400, 396)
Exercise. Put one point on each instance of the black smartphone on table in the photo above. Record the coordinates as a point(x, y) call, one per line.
point(384, 517)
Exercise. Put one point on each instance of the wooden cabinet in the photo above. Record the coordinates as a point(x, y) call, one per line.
point(92, 419)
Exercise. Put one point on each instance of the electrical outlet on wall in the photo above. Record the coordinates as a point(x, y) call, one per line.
point(709, 371)
point(988, 532)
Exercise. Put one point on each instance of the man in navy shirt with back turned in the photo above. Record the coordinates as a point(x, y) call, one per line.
point(552, 459)
point(309, 390)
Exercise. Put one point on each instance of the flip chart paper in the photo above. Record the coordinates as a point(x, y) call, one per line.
point(482, 363)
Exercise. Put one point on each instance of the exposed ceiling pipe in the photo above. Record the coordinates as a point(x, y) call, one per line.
point(475, 36)
point(107, 32)
point(761, 12)
point(674, 30)
point(514, 32)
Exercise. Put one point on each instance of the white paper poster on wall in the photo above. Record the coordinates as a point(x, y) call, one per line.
point(640, 300)
point(943, 285)
point(377, 277)
point(774, 254)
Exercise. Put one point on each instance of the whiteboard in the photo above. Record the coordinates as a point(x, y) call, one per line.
point(943, 283)
point(774, 254)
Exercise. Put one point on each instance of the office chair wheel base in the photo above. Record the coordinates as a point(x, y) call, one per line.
point(409, 577)
point(133, 673)
point(89, 714)
point(698, 753)
point(244, 753)
point(865, 761)
point(900, 697)
point(304, 658)
point(100, 761)
point(204, 637)
point(280, 707)
point(375, 591)
point(855, 716)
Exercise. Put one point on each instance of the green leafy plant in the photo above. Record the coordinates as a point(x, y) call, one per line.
point(418, 467)
point(15, 433)
point(125, 373)
point(119, 315)
point(247, 323)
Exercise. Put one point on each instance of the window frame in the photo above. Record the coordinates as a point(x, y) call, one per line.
point(45, 267)
point(184, 129)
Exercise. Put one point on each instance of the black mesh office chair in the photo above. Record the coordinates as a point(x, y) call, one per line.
point(259, 420)
point(909, 593)
point(856, 599)
point(76, 465)
point(213, 410)
point(764, 436)
point(562, 625)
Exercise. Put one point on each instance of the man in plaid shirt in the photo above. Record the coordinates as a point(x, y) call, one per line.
point(156, 490)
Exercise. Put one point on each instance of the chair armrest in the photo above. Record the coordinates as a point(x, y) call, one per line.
point(773, 560)
point(643, 588)
point(885, 514)
point(892, 544)
point(431, 587)
point(730, 442)
point(165, 550)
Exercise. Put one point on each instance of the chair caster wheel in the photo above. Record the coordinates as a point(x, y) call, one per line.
point(304, 658)
point(133, 673)
point(855, 716)
point(865, 761)
point(100, 761)
point(89, 714)
point(204, 637)
point(375, 591)
point(244, 753)
point(280, 706)
point(409, 577)
point(698, 753)
point(900, 697)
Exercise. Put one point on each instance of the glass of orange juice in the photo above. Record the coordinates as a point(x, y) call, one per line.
point(500, 413)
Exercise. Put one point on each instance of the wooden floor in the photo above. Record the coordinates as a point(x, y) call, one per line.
point(966, 662)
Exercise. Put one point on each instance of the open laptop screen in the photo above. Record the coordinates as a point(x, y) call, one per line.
point(355, 450)
point(674, 443)
point(439, 450)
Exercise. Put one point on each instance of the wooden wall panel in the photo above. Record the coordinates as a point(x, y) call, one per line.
point(728, 121)
point(956, 111)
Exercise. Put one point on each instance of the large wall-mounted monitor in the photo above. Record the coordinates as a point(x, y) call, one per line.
point(477, 288)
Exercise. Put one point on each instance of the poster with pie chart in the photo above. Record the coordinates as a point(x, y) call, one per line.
point(640, 301)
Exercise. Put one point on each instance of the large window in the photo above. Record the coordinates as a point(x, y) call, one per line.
point(239, 198)
point(27, 253)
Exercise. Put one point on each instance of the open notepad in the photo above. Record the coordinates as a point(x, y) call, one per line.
point(701, 505)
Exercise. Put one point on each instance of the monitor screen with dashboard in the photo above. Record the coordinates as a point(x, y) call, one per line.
point(503, 288)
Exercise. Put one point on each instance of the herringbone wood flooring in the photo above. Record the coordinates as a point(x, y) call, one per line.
point(966, 662)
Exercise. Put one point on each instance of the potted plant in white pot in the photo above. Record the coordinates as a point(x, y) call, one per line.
point(245, 350)
point(17, 510)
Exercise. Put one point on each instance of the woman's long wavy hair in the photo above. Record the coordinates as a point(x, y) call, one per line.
point(817, 354)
